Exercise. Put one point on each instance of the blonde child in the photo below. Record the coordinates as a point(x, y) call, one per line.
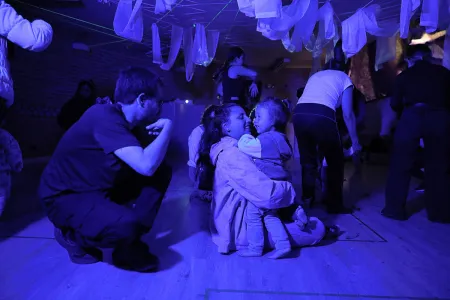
point(271, 151)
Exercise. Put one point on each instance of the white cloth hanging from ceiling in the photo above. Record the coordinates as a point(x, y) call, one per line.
point(407, 10)
point(329, 47)
point(277, 28)
point(386, 49)
point(188, 42)
point(429, 16)
point(128, 21)
point(260, 8)
point(303, 28)
point(355, 29)
point(162, 6)
point(175, 45)
point(205, 45)
point(446, 58)
point(327, 30)
point(212, 41)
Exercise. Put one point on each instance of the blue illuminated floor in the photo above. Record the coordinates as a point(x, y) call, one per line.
point(375, 258)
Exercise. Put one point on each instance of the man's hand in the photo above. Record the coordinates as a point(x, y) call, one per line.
point(158, 126)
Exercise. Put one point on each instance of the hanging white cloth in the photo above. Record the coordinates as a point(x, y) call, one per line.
point(329, 47)
point(260, 8)
point(430, 15)
point(200, 48)
point(446, 58)
point(386, 48)
point(128, 22)
point(212, 41)
point(277, 28)
point(327, 30)
point(355, 29)
point(407, 10)
point(162, 6)
point(175, 45)
point(303, 29)
point(188, 42)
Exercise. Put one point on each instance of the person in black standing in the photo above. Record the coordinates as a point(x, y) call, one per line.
point(73, 109)
point(234, 76)
point(422, 99)
point(102, 188)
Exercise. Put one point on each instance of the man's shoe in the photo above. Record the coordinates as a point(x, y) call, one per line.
point(77, 254)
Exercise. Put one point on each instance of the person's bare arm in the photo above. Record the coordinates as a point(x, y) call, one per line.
point(146, 161)
point(236, 71)
point(349, 115)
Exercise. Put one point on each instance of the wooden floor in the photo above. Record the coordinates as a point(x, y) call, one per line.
point(375, 258)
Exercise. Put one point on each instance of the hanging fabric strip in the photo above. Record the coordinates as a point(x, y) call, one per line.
point(386, 49)
point(200, 48)
point(260, 8)
point(188, 42)
point(128, 22)
point(407, 10)
point(212, 40)
point(430, 15)
point(162, 6)
point(175, 45)
point(278, 28)
point(446, 58)
point(327, 30)
point(303, 29)
point(329, 47)
point(355, 29)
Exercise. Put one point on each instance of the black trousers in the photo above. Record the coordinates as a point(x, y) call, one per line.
point(433, 126)
point(116, 217)
point(317, 132)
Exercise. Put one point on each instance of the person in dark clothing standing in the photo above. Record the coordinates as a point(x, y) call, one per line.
point(316, 130)
point(102, 187)
point(422, 99)
point(73, 109)
point(233, 75)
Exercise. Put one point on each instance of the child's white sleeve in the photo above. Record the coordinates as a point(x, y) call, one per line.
point(250, 145)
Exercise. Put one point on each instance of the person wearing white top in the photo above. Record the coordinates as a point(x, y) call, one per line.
point(316, 130)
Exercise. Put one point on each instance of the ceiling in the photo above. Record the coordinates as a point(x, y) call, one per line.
point(222, 15)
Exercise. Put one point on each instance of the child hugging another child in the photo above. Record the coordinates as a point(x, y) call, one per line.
point(10, 159)
point(271, 152)
point(203, 186)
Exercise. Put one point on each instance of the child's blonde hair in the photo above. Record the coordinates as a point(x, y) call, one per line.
point(279, 110)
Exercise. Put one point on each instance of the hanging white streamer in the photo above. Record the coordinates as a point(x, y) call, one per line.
point(260, 8)
point(327, 30)
point(200, 48)
point(128, 22)
point(175, 45)
point(212, 40)
point(188, 42)
point(162, 6)
point(355, 29)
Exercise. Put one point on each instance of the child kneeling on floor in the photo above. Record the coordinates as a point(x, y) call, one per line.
point(10, 159)
point(203, 190)
point(271, 152)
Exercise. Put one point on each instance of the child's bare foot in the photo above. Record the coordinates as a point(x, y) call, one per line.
point(279, 253)
point(249, 253)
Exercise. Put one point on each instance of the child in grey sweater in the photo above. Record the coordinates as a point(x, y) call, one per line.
point(271, 151)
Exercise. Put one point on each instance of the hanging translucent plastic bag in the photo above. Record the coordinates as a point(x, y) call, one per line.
point(128, 21)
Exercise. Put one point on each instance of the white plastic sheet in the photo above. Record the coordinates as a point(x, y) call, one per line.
point(260, 8)
point(408, 8)
point(175, 45)
point(128, 22)
point(162, 6)
point(355, 29)
point(188, 42)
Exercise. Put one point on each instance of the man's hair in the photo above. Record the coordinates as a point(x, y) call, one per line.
point(134, 81)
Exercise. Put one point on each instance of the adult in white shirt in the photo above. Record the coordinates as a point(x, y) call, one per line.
point(316, 130)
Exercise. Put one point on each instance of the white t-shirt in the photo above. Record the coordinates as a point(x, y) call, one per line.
point(194, 145)
point(326, 88)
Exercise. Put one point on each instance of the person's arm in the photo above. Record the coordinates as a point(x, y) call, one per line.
point(146, 161)
point(236, 71)
point(252, 184)
point(349, 115)
point(250, 145)
point(34, 36)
